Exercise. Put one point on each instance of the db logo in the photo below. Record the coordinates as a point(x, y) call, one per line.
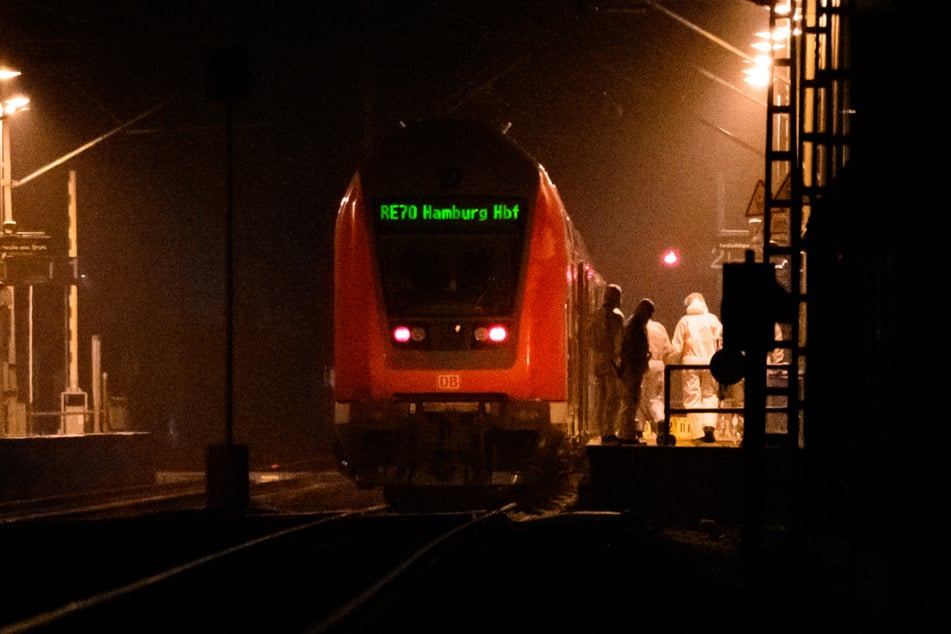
point(447, 381)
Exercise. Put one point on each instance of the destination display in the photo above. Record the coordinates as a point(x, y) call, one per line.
point(428, 212)
point(455, 215)
point(433, 216)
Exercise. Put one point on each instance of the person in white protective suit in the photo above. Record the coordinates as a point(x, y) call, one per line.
point(652, 387)
point(696, 337)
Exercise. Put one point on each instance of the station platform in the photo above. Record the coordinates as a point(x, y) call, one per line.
point(689, 482)
point(44, 466)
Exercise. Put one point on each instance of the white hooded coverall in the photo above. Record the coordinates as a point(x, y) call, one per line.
point(696, 337)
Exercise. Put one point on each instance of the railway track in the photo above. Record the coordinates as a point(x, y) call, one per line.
point(301, 491)
point(105, 502)
point(273, 573)
point(317, 555)
point(312, 554)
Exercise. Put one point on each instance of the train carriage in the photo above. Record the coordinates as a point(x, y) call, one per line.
point(460, 292)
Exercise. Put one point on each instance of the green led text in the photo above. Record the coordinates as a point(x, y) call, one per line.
point(425, 212)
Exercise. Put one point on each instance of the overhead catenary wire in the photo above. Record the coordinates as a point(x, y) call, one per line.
point(85, 147)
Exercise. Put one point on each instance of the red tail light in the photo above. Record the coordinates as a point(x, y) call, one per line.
point(406, 334)
point(498, 334)
point(401, 334)
point(491, 334)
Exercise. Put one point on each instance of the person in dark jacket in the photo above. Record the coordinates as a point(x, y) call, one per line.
point(635, 358)
point(604, 334)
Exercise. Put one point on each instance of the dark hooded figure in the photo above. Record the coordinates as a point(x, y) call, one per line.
point(635, 358)
point(604, 333)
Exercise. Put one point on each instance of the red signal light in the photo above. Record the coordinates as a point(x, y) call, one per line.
point(671, 258)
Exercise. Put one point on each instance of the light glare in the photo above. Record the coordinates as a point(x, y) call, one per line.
point(671, 258)
point(14, 104)
point(498, 334)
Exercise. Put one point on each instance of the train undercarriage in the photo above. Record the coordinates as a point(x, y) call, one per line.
point(456, 449)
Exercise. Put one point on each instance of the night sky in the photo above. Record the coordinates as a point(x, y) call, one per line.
point(641, 119)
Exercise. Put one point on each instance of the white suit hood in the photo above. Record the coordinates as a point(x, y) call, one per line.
point(696, 305)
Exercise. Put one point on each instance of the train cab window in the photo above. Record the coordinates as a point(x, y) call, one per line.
point(449, 274)
point(436, 265)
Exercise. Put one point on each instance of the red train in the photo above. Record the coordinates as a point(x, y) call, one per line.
point(461, 290)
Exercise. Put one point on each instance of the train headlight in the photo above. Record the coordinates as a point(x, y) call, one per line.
point(401, 334)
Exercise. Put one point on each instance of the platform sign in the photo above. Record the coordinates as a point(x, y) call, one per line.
point(25, 258)
point(24, 243)
point(732, 247)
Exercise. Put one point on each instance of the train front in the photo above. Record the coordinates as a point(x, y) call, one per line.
point(451, 277)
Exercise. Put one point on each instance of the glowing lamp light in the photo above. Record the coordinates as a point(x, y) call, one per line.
point(14, 105)
point(671, 258)
point(404, 334)
point(494, 334)
point(759, 73)
point(498, 334)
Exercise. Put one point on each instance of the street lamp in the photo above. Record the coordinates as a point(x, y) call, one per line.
point(8, 107)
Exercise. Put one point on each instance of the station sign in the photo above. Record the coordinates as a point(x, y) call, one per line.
point(24, 243)
point(25, 258)
point(732, 247)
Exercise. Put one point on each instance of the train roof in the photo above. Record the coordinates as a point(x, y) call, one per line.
point(454, 156)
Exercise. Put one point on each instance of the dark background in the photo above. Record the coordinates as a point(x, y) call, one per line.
point(642, 120)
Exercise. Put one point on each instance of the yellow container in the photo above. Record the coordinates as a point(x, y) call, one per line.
point(680, 428)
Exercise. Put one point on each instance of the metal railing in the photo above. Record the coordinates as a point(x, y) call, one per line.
point(775, 372)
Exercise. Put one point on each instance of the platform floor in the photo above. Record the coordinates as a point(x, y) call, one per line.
point(42, 466)
point(726, 434)
point(689, 482)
